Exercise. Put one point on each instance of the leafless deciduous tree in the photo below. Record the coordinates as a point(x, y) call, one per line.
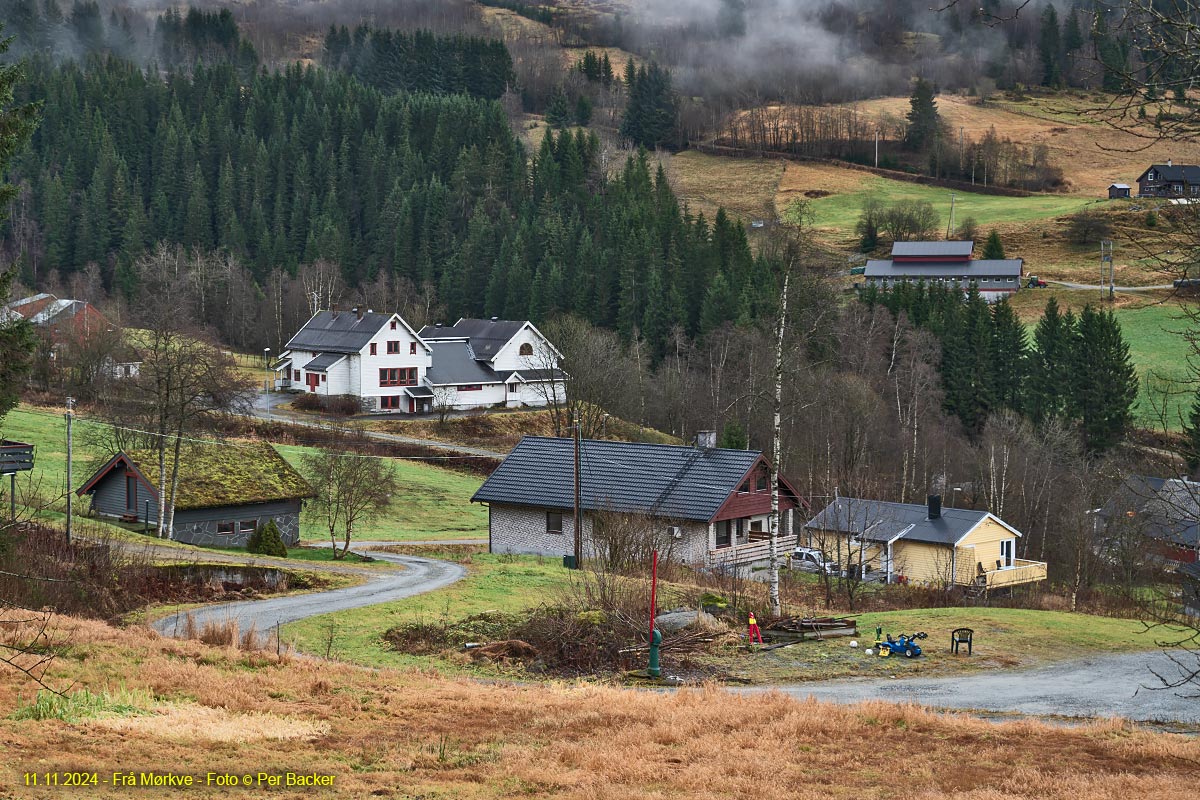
point(622, 542)
point(351, 489)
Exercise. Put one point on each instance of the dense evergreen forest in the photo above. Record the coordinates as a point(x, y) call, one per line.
point(394, 61)
point(308, 164)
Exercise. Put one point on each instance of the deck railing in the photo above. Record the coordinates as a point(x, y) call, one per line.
point(1022, 571)
point(750, 552)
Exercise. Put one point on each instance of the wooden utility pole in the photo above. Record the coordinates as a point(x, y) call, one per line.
point(876, 148)
point(777, 450)
point(577, 517)
point(70, 416)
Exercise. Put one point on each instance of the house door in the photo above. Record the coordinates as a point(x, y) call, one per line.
point(412, 405)
point(313, 380)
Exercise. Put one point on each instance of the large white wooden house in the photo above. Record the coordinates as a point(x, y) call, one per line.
point(390, 367)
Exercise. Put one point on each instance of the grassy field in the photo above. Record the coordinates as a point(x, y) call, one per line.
point(181, 707)
point(496, 583)
point(433, 503)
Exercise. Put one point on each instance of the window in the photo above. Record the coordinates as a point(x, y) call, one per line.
point(393, 324)
point(760, 483)
point(131, 492)
point(471, 387)
point(527, 349)
point(412, 348)
point(248, 525)
point(745, 487)
point(390, 401)
point(322, 377)
point(225, 528)
point(675, 532)
point(406, 376)
point(756, 526)
point(393, 348)
point(296, 375)
point(554, 522)
point(374, 349)
point(1006, 552)
point(723, 534)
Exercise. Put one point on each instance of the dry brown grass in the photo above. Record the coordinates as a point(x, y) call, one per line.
point(396, 734)
point(746, 187)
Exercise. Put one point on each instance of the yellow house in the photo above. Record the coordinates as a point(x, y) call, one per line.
point(926, 544)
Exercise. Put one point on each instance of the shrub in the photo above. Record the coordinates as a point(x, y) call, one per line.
point(1089, 228)
point(266, 540)
point(968, 229)
point(307, 402)
point(1151, 218)
point(344, 405)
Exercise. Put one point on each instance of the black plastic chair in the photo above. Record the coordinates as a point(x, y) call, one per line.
point(962, 636)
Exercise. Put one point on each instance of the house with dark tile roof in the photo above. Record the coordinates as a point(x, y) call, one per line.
point(926, 544)
point(390, 367)
point(705, 505)
point(66, 326)
point(1165, 512)
point(1170, 180)
point(224, 493)
point(946, 263)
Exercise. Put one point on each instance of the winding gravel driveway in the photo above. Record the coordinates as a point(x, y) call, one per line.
point(419, 575)
point(1099, 686)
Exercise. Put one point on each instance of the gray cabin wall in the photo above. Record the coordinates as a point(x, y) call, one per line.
point(108, 498)
point(199, 525)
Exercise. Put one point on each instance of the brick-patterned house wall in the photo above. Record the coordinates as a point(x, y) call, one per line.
point(522, 530)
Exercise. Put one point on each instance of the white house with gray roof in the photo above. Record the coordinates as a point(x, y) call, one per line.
point(390, 367)
point(706, 506)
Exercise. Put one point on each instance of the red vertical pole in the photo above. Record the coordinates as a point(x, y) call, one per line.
point(653, 592)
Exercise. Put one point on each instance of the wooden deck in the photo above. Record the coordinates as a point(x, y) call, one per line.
point(750, 552)
point(1022, 571)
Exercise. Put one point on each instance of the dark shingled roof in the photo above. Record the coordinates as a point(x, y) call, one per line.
point(214, 476)
point(1188, 173)
point(486, 336)
point(962, 249)
point(672, 481)
point(1191, 570)
point(1167, 509)
point(978, 269)
point(455, 364)
point(880, 521)
point(338, 332)
point(323, 361)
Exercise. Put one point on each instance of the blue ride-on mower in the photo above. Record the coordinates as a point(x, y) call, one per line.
point(906, 645)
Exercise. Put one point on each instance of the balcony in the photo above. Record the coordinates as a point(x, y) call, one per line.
point(755, 549)
point(1021, 571)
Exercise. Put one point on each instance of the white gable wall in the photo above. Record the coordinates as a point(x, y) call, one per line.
point(509, 357)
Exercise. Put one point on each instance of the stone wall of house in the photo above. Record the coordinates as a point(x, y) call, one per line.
point(203, 532)
point(518, 529)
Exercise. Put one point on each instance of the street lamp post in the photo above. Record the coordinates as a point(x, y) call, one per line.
point(267, 385)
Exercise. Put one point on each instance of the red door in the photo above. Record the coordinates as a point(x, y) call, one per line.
point(313, 380)
point(412, 405)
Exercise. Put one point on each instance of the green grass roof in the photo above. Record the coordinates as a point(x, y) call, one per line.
point(214, 475)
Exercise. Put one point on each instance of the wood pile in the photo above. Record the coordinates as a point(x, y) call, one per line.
point(798, 629)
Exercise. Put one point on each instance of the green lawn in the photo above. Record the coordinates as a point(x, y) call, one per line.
point(841, 211)
point(1004, 638)
point(1160, 352)
point(433, 503)
point(495, 583)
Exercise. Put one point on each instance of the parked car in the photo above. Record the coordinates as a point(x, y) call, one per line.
point(810, 559)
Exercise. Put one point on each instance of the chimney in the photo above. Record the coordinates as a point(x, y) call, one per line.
point(438, 325)
point(333, 308)
point(706, 440)
point(358, 311)
point(1169, 164)
point(935, 506)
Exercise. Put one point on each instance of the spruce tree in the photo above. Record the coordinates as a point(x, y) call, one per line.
point(1010, 350)
point(1049, 365)
point(1103, 381)
point(923, 118)
point(1191, 434)
point(1050, 48)
point(993, 248)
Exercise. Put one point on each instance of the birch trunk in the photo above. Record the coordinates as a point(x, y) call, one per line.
point(777, 451)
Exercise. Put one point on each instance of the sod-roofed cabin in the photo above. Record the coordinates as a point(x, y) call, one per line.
point(225, 492)
point(925, 544)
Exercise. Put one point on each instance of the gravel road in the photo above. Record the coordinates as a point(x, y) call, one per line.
point(1099, 686)
point(418, 576)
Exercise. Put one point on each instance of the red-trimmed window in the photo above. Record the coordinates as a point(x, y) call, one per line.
point(404, 376)
point(471, 387)
point(412, 348)
point(391, 401)
point(393, 348)
point(393, 324)
point(296, 375)
point(374, 349)
point(322, 377)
